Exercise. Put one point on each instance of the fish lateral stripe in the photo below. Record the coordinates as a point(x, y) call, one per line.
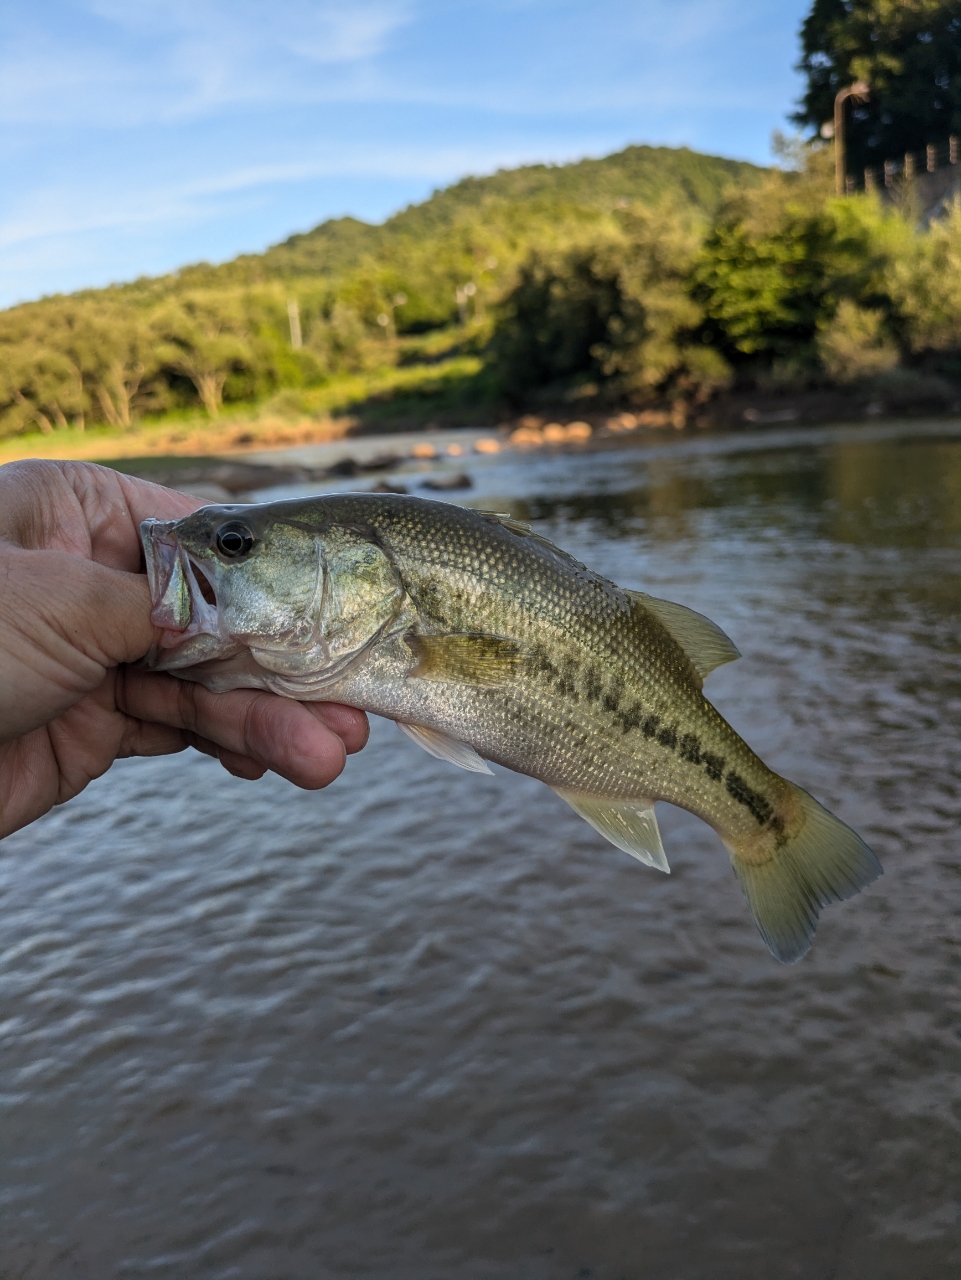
point(756, 804)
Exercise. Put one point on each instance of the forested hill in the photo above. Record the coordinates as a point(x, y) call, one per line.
point(520, 199)
point(339, 301)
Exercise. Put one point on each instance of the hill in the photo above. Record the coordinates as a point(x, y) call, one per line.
point(524, 197)
point(348, 300)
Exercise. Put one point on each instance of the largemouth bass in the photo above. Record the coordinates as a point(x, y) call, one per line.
point(485, 642)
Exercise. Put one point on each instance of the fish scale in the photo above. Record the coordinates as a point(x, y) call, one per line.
point(488, 643)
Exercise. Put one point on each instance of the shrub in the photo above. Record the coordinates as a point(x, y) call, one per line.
point(855, 344)
point(616, 313)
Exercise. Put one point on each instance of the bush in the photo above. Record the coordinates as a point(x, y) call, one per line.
point(616, 313)
point(927, 284)
point(777, 266)
point(855, 344)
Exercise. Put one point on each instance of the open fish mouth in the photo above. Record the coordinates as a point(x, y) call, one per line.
point(184, 598)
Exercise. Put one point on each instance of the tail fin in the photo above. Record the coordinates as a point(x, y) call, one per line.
point(825, 862)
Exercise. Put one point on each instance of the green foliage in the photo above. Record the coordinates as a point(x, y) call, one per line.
point(616, 312)
point(77, 359)
point(927, 286)
point(204, 337)
point(553, 319)
point(217, 335)
point(908, 51)
point(639, 278)
point(855, 344)
point(778, 262)
point(496, 216)
point(38, 387)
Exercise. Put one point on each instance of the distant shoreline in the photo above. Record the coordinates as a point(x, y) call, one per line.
point(371, 462)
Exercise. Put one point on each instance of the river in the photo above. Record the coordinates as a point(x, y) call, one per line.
point(426, 1025)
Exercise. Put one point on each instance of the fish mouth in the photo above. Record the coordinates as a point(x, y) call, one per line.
point(183, 596)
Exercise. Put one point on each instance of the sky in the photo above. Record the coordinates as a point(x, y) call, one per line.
point(140, 135)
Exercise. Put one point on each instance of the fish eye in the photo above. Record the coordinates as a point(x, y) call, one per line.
point(234, 540)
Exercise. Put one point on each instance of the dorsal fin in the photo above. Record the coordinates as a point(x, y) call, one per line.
point(525, 531)
point(519, 527)
point(701, 639)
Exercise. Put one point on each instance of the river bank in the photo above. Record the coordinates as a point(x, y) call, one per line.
point(251, 432)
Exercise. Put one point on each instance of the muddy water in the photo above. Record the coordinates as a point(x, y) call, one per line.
point(427, 1026)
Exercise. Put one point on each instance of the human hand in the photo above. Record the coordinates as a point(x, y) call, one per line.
point(73, 608)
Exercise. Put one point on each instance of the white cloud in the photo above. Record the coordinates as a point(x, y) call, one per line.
point(324, 33)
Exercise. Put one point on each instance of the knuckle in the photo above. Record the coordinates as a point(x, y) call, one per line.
point(188, 708)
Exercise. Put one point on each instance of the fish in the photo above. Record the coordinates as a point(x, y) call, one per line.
point(486, 643)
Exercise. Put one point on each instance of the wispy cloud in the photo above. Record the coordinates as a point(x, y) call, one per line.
point(57, 211)
point(168, 59)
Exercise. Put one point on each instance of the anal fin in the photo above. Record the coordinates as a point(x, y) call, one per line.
point(630, 825)
point(442, 746)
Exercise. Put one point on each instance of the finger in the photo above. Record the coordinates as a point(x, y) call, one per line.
point(278, 733)
point(239, 766)
point(143, 738)
point(349, 724)
point(88, 510)
point(145, 500)
point(64, 622)
point(115, 504)
point(102, 613)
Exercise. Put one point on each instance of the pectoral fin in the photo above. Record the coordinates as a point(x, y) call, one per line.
point(701, 639)
point(469, 658)
point(630, 825)
point(442, 746)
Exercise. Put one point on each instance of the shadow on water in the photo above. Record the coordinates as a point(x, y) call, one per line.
point(428, 1026)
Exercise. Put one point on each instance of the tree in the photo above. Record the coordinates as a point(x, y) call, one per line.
point(548, 325)
point(108, 346)
point(779, 261)
point(203, 337)
point(121, 356)
point(52, 334)
point(927, 285)
point(616, 311)
point(37, 385)
point(908, 51)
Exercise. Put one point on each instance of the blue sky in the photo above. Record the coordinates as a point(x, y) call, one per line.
point(138, 135)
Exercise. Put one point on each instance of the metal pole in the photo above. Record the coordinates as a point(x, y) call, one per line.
point(857, 90)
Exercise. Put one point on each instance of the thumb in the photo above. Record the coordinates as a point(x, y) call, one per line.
point(64, 621)
point(102, 614)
